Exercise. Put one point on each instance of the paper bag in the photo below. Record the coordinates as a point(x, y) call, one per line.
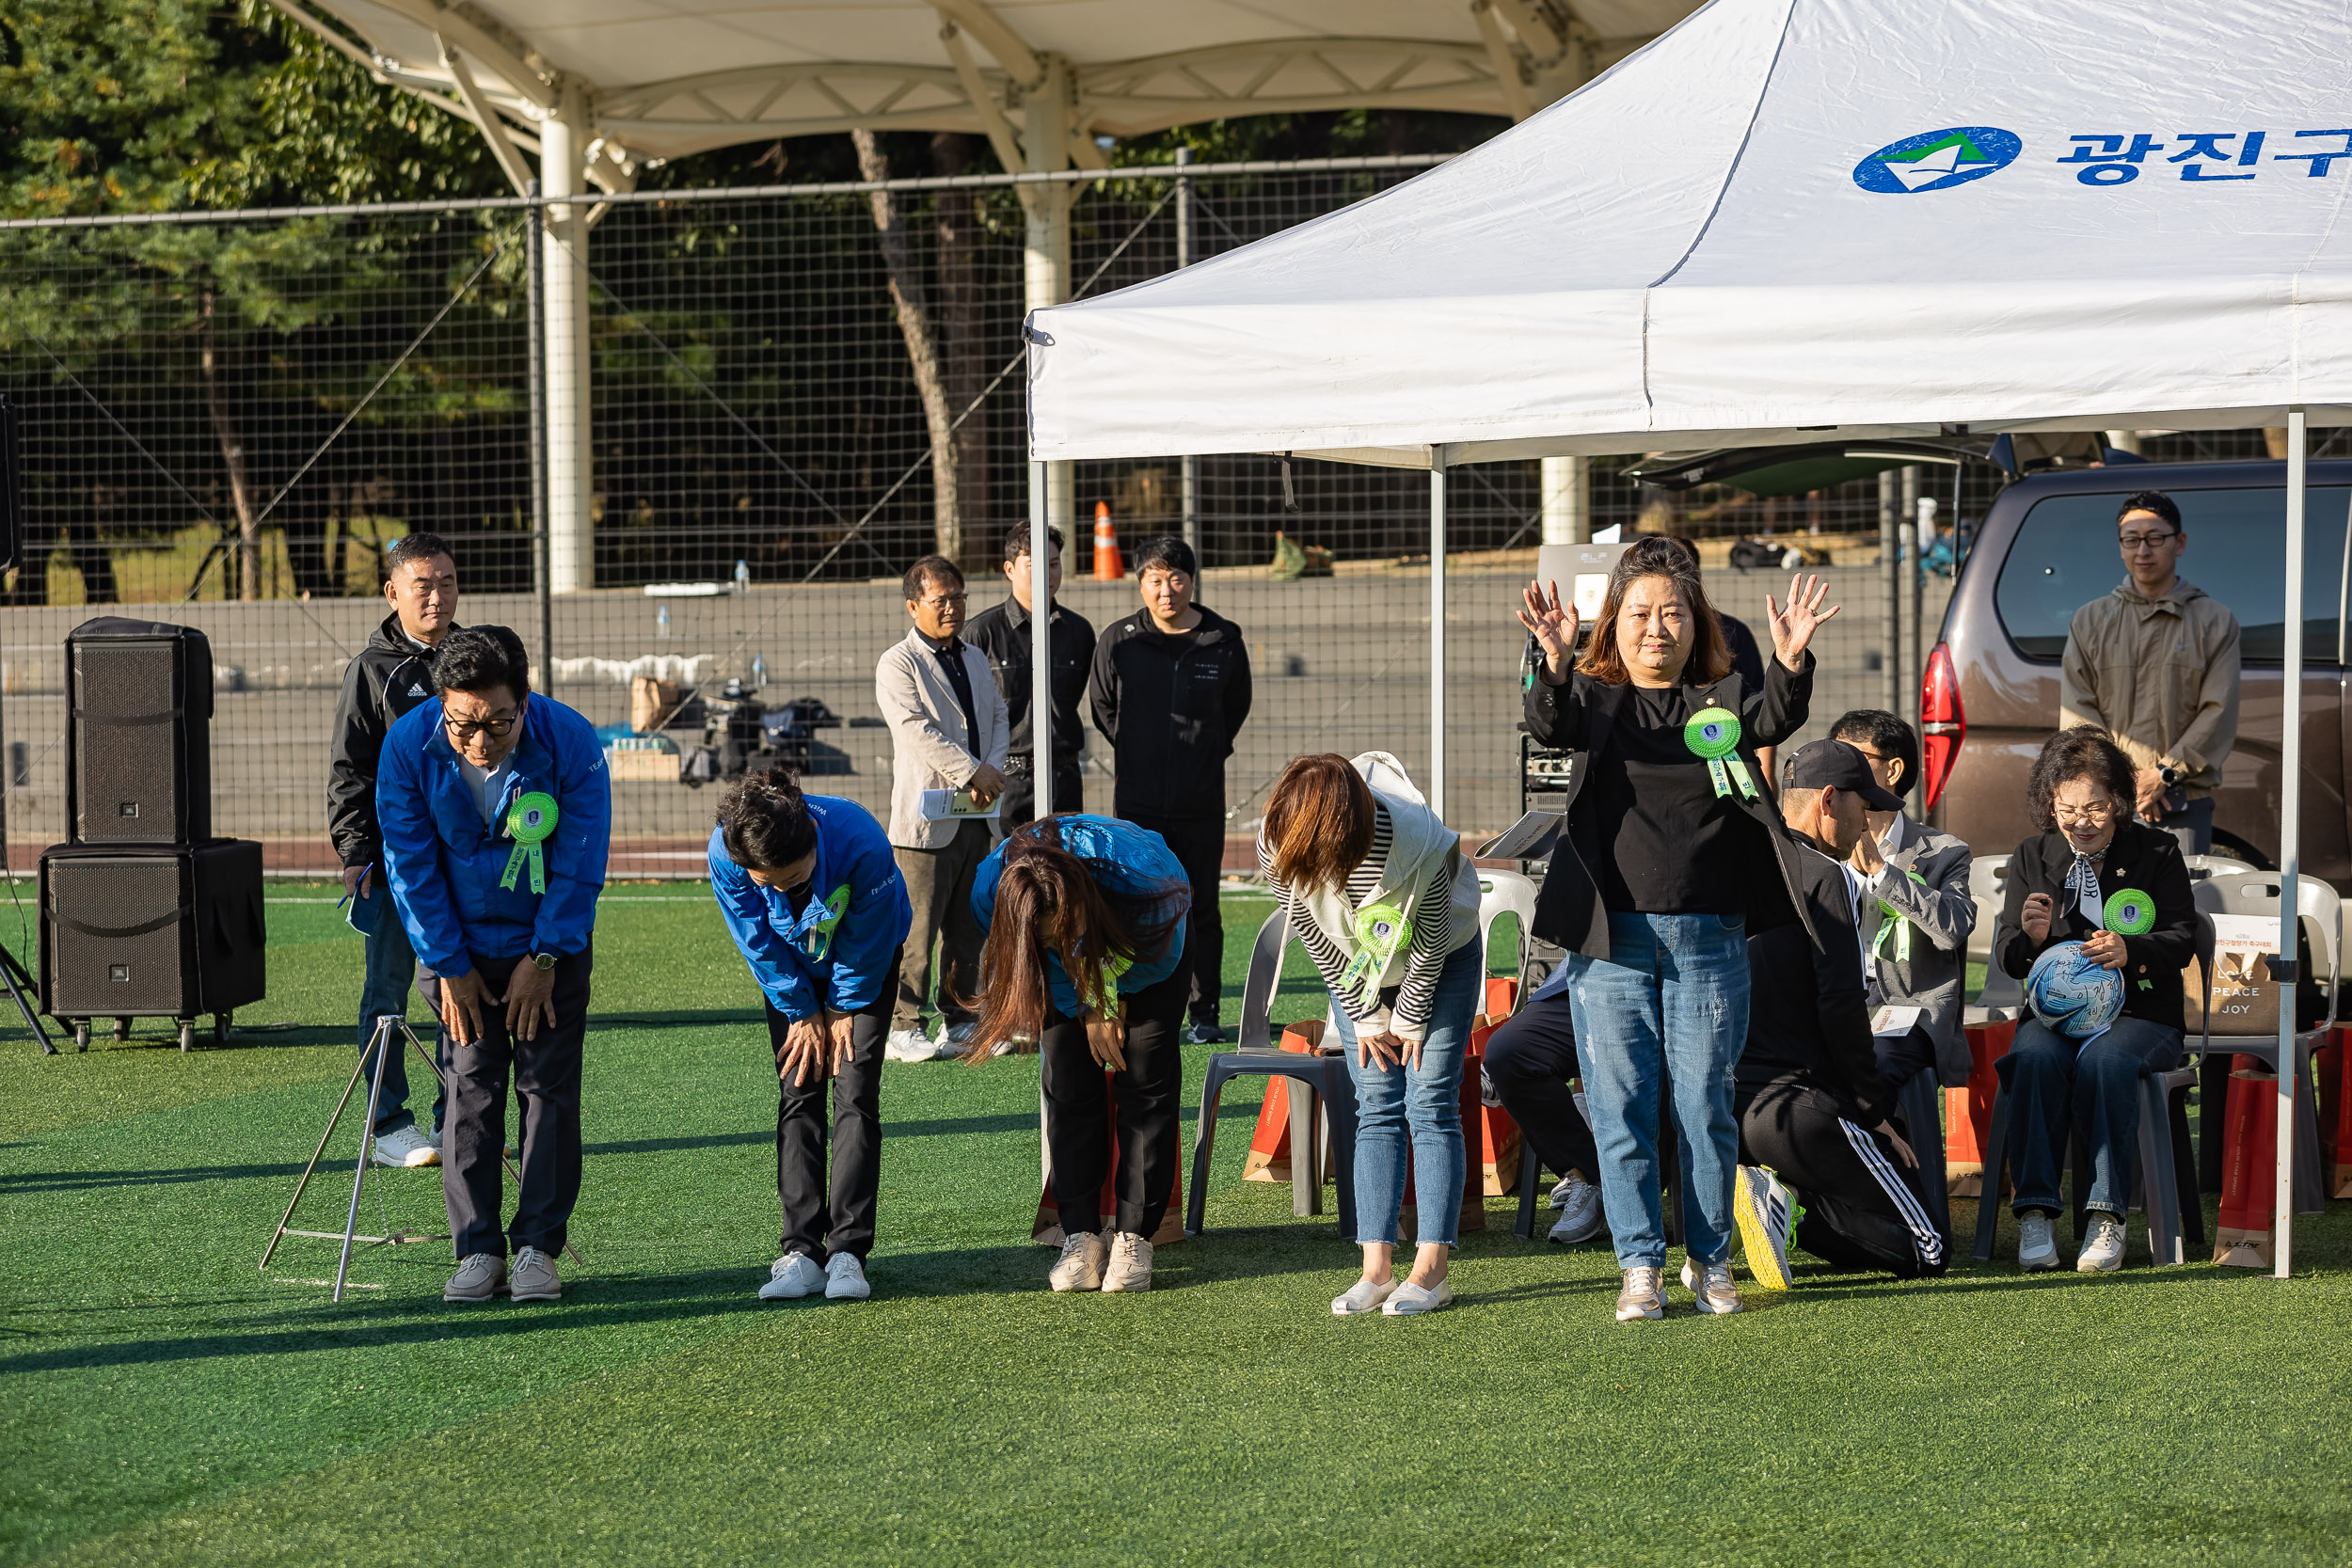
point(1968, 1110)
point(2249, 1162)
point(650, 703)
point(2243, 998)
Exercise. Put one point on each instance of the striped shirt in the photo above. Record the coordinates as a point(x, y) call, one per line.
point(1430, 933)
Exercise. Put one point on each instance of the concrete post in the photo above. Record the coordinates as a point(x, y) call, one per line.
point(1567, 501)
point(1046, 261)
point(571, 544)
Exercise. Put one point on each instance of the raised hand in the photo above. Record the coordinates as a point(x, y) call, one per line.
point(1793, 627)
point(1553, 623)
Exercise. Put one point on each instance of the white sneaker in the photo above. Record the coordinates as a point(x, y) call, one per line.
point(1767, 1213)
point(1641, 1300)
point(1579, 1202)
point(953, 1042)
point(2104, 1252)
point(1362, 1298)
point(1712, 1285)
point(792, 1276)
point(1081, 1264)
point(1410, 1300)
point(404, 1149)
point(844, 1278)
point(908, 1045)
point(2037, 1252)
point(1131, 1263)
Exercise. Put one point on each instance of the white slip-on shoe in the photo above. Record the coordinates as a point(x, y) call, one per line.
point(1642, 1299)
point(1362, 1298)
point(1579, 1202)
point(2037, 1249)
point(478, 1279)
point(1130, 1268)
point(405, 1148)
point(2103, 1252)
point(844, 1278)
point(1410, 1300)
point(534, 1277)
point(1712, 1285)
point(1080, 1266)
point(791, 1276)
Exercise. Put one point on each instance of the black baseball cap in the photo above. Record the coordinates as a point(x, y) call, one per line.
point(1835, 764)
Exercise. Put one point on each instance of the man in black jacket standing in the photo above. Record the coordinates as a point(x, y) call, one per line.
point(1001, 633)
point(1814, 1112)
point(1170, 690)
point(390, 676)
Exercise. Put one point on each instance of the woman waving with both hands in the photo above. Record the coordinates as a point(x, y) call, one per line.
point(1671, 857)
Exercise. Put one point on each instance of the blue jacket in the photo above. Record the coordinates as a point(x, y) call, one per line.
point(444, 866)
point(1139, 877)
point(801, 967)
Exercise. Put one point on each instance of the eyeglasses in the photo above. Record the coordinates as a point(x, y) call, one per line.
point(2142, 541)
point(945, 601)
point(2090, 816)
point(463, 730)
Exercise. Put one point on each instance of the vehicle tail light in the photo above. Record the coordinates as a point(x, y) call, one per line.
point(1944, 724)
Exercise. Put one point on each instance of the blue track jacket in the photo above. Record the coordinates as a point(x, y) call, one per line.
point(444, 866)
point(802, 967)
point(1140, 875)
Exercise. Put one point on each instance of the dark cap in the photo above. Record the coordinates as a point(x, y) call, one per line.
point(1835, 764)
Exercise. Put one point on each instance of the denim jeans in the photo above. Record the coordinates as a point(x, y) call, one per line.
point(391, 967)
point(1665, 1013)
point(1422, 1105)
point(2057, 1085)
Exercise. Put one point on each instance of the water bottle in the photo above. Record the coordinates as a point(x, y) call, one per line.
point(662, 621)
point(742, 577)
point(759, 672)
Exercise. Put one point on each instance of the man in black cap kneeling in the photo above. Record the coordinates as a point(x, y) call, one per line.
point(1813, 1112)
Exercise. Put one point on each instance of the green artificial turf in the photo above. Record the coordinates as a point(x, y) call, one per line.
point(162, 1401)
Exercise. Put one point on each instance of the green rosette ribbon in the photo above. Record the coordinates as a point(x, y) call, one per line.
point(817, 940)
point(2130, 912)
point(1713, 735)
point(1102, 995)
point(1895, 926)
point(1380, 931)
point(529, 822)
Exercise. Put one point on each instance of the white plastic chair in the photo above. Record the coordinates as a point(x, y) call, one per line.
point(2003, 996)
point(1501, 892)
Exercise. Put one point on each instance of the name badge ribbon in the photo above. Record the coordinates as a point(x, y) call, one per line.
point(1380, 931)
point(817, 940)
point(1713, 735)
point(1102, 996)
point(2130, 912)
point(529, 822)
point(1893, 922)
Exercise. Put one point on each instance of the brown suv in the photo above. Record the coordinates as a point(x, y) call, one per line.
point(1991, 694)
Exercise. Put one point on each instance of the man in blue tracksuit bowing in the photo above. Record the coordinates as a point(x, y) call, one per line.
point(497, 813)
point(811, 896)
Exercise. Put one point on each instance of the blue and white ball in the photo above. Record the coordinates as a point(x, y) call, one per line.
point(2072, 992)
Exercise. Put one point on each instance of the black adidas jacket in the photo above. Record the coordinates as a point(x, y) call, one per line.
point(1170, 707)
point(390, 677)
point(1808, 1015)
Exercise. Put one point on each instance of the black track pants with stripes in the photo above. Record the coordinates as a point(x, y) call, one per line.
point(1862, 1205)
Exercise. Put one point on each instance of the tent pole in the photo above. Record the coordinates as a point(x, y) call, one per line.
point(1041, 652)
point(1437, 629)
point(2290, 835)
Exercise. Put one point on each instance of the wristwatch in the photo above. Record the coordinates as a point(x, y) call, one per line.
point(545, 960)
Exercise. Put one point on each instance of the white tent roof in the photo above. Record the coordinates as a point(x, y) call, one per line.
point(1758, 229)
point(665, 77)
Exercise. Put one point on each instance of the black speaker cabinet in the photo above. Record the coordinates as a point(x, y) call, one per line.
point(147, 933)
point(138, 761)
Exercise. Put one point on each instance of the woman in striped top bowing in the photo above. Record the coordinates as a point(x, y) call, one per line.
point(1378, 891)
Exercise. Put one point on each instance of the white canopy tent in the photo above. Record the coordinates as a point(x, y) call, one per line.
point(1788, 221)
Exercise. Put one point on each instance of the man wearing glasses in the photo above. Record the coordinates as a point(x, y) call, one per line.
point(497, 813)
point(2155, 665)
point(949, 736)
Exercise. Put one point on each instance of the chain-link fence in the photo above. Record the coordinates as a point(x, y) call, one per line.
point(227, 418)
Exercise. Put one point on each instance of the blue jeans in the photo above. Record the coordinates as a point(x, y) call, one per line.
point(2057, 1085)
point(1423, 1104)
point(1670, 1003)
point(391, 967)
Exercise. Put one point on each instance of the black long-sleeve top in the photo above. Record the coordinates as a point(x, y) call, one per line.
point(2137, 857)
point(1001, 633)
point(1808, 1014)
point(1170, 704)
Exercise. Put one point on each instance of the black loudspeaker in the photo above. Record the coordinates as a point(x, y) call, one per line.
point(147, 933)
point(138, 761)
point(11, 488)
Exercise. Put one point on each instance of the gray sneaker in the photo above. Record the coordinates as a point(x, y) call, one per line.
point(535, 1276)
point(1711, 1283)
point(1640, 1298)
point(2103, 1251)
point(478, 1279)
point(2037, 1249)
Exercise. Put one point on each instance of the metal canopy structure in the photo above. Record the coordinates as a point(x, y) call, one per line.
point(595, 92)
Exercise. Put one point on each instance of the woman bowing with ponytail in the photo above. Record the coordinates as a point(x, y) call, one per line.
point(812, 896)
point(1085, 924)
point(1672, 857)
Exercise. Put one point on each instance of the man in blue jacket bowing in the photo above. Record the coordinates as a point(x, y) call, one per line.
point(497, 814)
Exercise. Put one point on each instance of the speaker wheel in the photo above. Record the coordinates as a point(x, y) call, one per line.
point(220, 1030)
point(187, 1034)
point(81, 1034)
point(122, 1028)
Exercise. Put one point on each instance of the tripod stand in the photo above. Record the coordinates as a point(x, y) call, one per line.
point(380, 1046)
point(21, 988)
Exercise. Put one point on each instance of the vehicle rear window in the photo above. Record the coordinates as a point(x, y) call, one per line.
point(2065, 556)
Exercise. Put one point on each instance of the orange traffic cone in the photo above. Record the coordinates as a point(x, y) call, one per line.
point(1108, 566)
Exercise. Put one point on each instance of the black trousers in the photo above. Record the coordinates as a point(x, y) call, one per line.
point(1863, 1208)
point(1902, 1057)
point(1529, 1060)
point(846, 1223)
point(1078, 1120)
point(1021, 792)
point(1199, 844)
point(546, 1075)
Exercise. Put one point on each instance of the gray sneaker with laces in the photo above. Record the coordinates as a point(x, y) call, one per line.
point(534, 1279)
point(2102, 1250)
point(478, 1279)
point(1640, 1299)
point(1711, 1283)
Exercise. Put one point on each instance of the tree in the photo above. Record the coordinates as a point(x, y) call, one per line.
point(909, 298)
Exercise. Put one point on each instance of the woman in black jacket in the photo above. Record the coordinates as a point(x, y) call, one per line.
point(1672, 855)
point(2060, 886)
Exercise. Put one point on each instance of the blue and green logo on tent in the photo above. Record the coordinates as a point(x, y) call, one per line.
point(1937, 159)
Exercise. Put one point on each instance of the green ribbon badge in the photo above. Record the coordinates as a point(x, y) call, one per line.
point(1892, 922)
point(2130, 912)
point(817, 940)
point(1714, 735)
point(1102, 995)
point(529, 822)
point(1380, 931)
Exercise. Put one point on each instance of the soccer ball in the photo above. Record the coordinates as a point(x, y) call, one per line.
point(2072, 994)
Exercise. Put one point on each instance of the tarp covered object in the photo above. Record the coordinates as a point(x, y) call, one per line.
point(1873, 217)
